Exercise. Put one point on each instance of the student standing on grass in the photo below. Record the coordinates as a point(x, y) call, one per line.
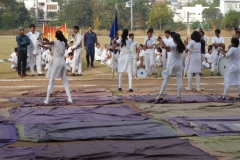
point(22, 41)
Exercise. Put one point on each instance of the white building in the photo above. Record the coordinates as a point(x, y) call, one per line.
point(226, 5)
point(45, 5)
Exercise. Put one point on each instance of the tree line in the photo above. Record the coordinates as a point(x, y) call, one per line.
point(100, 14)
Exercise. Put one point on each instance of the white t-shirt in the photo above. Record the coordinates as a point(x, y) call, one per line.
point(45, 54)
point(216, 39)
point(209, 57)
point(133, 49)
point(14, 57)
point(69, 62)
point(127, 47)
point(149, 43)
point(98, 51)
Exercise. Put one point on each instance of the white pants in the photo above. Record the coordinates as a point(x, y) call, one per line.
point(190, 77)
point(35, 59)
point(66, 86)
point(164, 58)
point(46, 67)
point(205, 64)
point(165, 82)
point(69, 69)
point(227, 87)
point(77, 61)
point(13, 66)
point(129, 70)
point(168, 59)
point(214, 65)
point(134, 67)
point(158, 60)
point(203, 57)
point(150, 64)
point(97, 57)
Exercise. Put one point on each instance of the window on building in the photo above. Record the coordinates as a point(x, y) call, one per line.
point(237, 5)
point(230, 6)
point(41, 4)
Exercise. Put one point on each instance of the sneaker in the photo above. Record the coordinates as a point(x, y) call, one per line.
point(211, 73)
point(178, 98)
point(238, 98)
point(130, 90)
point(92, 66)
point(219, 74)
point(45, 102)
point(25, 75)
point(41, 74)
point(199, 89)
point(119, 89)
point(79, 74)
point(19, 76)
point(73, 74)
point(159, 97)
point(32, 75)
point(223, 98)
point(200, 74)
point(188, 89)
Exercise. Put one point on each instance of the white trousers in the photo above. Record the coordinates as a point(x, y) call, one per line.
point(134, 66)
point(150, 64)
point(13, 66)
point(190, 77)
point(77, 61)
point(205, 64)
point(68, 68)
point(158, 60)
point(164, 58)
point(168, 59)
point(165, 82)
point(227, 87)
point(129, 78)
point(66, 86)
point(35, 59)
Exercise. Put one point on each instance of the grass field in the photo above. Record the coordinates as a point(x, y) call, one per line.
point(8, 43)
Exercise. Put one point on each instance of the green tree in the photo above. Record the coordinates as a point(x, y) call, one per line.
point(159, 15)
point(195, 25)
point(216, 3)
point(212, 17)
point(52, 15)
point(231, 19)
point(32, 13)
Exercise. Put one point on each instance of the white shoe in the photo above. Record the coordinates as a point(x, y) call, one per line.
point(199, 89)
point(46, 102)
point(188, 89)
point(70, 101)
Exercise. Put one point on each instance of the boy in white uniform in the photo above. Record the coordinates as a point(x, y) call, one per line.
point(13, 58)
point(217, 42)
point(48, 59)
point(134, 50)
point(141, 59)
point(69, 64)
point(159, 57)
point(104, 55)
point(33, 49)
point(208, 59)
point(98, 52)
point(149, 43)
point(164, 51)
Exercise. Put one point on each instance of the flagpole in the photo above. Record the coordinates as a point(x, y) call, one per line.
point(132, 16)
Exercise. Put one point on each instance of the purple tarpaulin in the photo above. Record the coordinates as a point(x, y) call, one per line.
point(13, 153)
point(74, 114)
point(166, 149)
point(8, 134)
point(62, 101)
point(173, 99)
point(210, 126)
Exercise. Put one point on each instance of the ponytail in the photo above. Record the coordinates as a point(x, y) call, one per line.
point(180, 45)
point(124, 37)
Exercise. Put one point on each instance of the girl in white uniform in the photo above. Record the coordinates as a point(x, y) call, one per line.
point(175, 64)
point(57, 67)
point(194, 64)
point(232, 74)
point(125, 59)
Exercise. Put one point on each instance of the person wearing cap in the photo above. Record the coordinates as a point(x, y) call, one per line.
point(34, 51)
point(22, 43)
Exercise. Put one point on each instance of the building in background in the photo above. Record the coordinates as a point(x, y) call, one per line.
point(226, 5)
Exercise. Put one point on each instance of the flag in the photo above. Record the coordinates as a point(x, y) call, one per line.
point(114, 27)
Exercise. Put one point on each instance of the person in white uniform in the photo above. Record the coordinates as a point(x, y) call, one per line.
point(232, 74)
point(49, 59)
point(125, 59)
point(98, 52)
point(134, 50)
point(34, 52)
point(149, 44)
point(104, 55)
point(77, 52)
point(57, 67)
point(170, 41)
point(194, 64)
point(13, 58)
point(141, 59)
point(69, 64)
point(164, 51)
point(206, 39)
point(175, 65)
point(217, 42)
point(208, 59)
point(159, 57)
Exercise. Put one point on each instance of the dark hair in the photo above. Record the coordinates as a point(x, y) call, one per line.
point(167, 31)
point(238, 32)
point(209, 49)
point(236, 29)
point(210, 46)
point(140, 45)
point(76, 27)
point(15, 49)
point(200, 29)
point(60, 37)
point(235, 41)
point(196, 36)
point(159, 49)
point(217, 31)
point(32, 25)
point(131, 34)
point(180, 45)
point(201, 32)
point(89, 26)
point(150, 30)
point(172, 33)
point(70, 54)
point(124, 37)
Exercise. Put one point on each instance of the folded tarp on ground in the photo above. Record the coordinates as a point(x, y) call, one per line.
point(13, 153)
point(74, 114)
point(98, 92)
point(222, 147)
point(167, 149)
point(8, 134)
point(115, 130)
point(209, 126)
point(160, 111)
point(62, 101)
point(173, 99)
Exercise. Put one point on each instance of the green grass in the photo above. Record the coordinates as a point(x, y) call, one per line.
point(9, 43)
